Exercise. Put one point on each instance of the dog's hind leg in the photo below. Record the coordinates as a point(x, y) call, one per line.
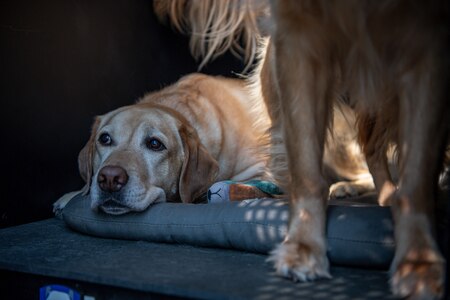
point(378, 167)
point(374, 140)
point(304, 95)
point(418, 267)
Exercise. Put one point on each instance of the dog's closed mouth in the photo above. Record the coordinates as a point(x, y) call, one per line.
point(114, 208)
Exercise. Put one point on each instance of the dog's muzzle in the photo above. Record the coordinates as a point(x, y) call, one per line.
point(111, 180)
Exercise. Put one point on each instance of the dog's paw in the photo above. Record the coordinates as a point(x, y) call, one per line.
point(418, 279)
point(343, 189)
point(299, 263)
point(59, 205)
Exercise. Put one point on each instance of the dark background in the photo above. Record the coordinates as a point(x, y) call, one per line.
point(61, 63)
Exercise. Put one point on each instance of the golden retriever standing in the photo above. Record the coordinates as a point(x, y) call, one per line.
point(390, 57)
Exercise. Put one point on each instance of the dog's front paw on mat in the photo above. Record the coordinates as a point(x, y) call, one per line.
point(298, 262)
point(418, 279)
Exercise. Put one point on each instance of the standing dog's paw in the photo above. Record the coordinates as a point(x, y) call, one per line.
point(299, 262)
point(418, 279)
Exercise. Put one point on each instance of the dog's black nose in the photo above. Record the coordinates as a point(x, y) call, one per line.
point(112, 178)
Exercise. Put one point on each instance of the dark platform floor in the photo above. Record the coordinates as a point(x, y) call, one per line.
point(48, 252)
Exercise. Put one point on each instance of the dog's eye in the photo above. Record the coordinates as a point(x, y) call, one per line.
point(154, 144)
point(105, 139)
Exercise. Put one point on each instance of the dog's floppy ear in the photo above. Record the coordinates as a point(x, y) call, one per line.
point(86, 157)
point(199, 168)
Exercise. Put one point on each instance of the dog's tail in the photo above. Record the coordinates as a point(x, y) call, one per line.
point(217, 26)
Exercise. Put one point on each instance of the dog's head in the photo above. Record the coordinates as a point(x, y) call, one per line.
point(143, 154)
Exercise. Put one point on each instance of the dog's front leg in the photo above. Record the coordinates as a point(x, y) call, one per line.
point(59, 204)
point(418, 268)
point(304, 97)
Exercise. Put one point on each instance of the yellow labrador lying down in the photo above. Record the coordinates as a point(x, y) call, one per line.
point(173, 144)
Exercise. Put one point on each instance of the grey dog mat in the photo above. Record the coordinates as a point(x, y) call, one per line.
point(51, 249)
point(358, 234)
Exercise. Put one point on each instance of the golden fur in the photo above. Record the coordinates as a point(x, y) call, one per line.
point(209, 130)
point(389, 60)
point(218, 119)
point(219, 25)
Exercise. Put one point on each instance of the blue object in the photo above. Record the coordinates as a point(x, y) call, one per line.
point(57, 292)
